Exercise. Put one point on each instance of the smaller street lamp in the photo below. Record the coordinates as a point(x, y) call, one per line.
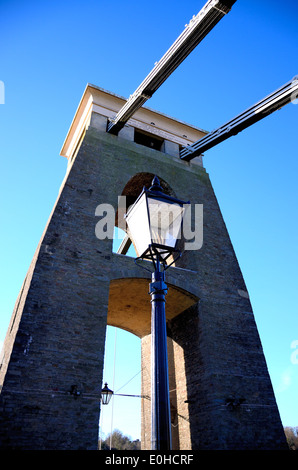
point(154, 222)
point(106, 395)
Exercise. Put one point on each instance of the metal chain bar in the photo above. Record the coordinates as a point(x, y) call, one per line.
point(255, 113)
point(198, 27)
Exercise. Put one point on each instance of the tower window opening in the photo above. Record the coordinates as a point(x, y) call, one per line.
point(148, 140)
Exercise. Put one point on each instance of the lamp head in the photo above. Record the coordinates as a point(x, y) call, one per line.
point(106, 395)
point(154, 222)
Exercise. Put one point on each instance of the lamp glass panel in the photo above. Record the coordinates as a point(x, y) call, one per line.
point(138, 225)
point(165, 221)
point(106, 397)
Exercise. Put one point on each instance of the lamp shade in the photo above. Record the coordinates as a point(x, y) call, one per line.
point(106, 395)
point(155, 219)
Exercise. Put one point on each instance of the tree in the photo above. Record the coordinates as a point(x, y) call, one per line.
point(292, 437)
point(120, 442)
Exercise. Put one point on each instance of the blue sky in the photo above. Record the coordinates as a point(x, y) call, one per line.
point(50, 50)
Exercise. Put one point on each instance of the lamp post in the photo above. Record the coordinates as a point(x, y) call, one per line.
point(154, 223)
point(106, 395)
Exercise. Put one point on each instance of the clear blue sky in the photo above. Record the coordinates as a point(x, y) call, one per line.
point(50, 50)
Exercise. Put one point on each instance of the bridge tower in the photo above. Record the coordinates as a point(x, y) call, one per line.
point(51, 366)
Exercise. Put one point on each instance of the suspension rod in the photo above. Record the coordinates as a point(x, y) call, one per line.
point(269, 104)
point(198, 27)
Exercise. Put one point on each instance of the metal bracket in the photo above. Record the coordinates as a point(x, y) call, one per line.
point(158, 286)
point(154, 255)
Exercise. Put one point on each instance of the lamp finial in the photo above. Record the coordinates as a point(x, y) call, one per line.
point(155, 185)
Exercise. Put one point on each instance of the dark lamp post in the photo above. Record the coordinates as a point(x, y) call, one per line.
point(106, 395)
point(154, 223)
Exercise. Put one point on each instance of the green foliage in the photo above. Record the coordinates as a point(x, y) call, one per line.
point(120, 442)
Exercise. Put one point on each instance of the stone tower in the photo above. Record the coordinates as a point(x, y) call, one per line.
point(52, 360)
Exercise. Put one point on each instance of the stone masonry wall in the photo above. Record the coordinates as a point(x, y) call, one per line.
point(51, 373)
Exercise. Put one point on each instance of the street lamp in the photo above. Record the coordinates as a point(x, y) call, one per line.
point(154, 222)
point(106, 395)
